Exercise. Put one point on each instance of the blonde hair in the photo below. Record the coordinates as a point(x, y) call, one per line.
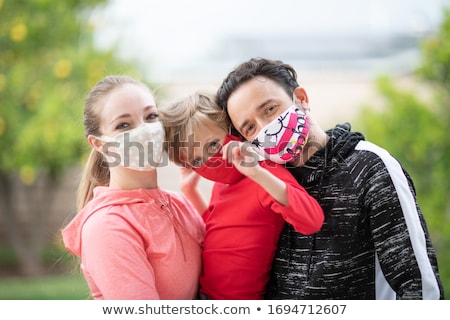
point(96, 170)
point(180, 118)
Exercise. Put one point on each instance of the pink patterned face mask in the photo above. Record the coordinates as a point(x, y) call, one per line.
point(283, 139)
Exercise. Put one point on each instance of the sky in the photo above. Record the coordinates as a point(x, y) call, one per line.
point(169, 38)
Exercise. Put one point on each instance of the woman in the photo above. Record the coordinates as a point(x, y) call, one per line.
point(135, 241)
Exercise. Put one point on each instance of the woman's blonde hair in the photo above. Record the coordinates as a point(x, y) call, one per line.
point(96, 171)
point(180, 118)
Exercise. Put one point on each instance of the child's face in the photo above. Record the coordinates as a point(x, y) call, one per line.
point(208, 141)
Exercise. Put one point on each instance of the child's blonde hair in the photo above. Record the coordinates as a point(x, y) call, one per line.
point(180, 118)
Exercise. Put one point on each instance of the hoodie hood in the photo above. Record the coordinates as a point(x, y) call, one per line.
point(103, 197)
point(342, 142)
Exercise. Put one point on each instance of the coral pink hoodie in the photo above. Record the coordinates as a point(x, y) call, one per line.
point(138, 244)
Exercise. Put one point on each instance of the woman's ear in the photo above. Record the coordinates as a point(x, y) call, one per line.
point(95, 143)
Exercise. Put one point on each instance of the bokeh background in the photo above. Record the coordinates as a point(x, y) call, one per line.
point(383, 66)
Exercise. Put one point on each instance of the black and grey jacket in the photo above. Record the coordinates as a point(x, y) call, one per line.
point(374, 243)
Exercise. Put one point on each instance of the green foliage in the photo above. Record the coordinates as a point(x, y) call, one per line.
point(48, 63)
point(416, 135)
point(435, 64)
point(7, 257)
point(64, 282)
point(56, 260)
point(414, 129)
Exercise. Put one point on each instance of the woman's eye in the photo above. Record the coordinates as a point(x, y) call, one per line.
point(122, 126)
point(152, 116)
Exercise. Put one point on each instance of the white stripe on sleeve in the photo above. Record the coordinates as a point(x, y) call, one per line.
point(430, 287)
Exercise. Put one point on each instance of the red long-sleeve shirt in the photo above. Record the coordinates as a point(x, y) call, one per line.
point(243, 224)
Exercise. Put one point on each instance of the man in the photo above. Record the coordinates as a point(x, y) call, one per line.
point(374, 243)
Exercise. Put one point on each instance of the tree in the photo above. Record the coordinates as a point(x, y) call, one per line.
point(48, 62)
point(413, 125)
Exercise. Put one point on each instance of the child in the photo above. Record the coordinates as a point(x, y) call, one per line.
point(249, 204)
point(135, 240)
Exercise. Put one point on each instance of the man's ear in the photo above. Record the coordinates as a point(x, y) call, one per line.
point(301, 98)
point(301, 95)
point(95, 143)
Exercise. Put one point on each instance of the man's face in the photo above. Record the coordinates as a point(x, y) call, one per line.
point(255, 104)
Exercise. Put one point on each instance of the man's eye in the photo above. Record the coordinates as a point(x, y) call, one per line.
point(249, 130)
point(271, 109)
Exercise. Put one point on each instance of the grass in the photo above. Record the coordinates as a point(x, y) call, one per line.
point(64, 282)
point(57, 287)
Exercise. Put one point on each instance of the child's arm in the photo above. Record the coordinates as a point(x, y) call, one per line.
point(272, 184)
point(188, 185)
point(303, 211)
point(245, 159)
point(292, 201)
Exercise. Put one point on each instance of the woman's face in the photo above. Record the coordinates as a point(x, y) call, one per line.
point(125, 108)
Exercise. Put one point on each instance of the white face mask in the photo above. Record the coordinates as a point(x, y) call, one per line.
point(283, 139)
point(139, 149)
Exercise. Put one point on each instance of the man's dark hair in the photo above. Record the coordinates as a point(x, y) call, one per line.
point(276, 70)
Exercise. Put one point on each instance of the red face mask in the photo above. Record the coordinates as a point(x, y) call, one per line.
point(218, 169)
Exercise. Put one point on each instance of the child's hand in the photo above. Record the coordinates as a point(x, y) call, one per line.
point(243, 156)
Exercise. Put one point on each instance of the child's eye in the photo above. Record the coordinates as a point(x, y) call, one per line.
point(197, 162)
point(214, 147)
